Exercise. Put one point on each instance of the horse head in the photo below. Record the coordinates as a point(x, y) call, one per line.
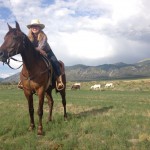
point(12, 44)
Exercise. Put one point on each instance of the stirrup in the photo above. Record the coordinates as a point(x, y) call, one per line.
point(20, 86)
point(59, 81)
point(62, 86)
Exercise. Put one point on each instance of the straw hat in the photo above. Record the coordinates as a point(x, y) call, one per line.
point(36, 22)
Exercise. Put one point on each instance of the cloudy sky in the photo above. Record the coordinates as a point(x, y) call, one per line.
point(89, 32)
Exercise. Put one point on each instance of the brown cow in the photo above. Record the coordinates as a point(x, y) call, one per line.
point(75, 87)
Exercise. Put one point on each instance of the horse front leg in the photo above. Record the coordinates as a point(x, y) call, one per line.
point(50, 104)
point(40, 114)
point(31, 110)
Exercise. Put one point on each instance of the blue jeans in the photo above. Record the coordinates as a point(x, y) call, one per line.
point(55, 63)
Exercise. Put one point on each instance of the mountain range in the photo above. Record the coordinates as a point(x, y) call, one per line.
point(119, 70)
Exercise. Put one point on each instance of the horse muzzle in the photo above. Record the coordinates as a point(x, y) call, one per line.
point(3, 57)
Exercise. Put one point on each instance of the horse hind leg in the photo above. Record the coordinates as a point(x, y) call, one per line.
point(63, 96)
point(50, 104)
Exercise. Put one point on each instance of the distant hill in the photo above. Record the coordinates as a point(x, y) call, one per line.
point(13, 78)
point(108, 71)
point(101, 72)
point(1, 79)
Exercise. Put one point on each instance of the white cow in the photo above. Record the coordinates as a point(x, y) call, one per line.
point(109, 85)
point(77, 84)
point(95, 87)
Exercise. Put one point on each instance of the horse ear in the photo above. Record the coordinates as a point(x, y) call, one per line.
point(17, 26)
point(9, 27)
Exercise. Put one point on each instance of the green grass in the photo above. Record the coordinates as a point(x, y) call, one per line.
point(98, 120)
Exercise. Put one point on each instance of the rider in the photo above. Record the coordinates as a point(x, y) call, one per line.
point(39, 40)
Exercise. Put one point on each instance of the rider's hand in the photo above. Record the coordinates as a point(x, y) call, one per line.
point(43, 52)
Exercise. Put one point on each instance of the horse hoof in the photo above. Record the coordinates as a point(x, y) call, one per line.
point(32, 127)
point(65, 120)
point(40, 132)
point(49, 120)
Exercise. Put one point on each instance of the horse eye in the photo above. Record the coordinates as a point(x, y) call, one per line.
point(15, 37)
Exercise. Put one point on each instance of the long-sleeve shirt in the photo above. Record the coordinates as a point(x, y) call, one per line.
point(43, 44)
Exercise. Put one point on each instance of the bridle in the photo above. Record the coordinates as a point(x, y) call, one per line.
point(9, 58)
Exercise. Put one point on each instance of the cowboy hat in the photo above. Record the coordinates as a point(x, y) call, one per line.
point(36, 22)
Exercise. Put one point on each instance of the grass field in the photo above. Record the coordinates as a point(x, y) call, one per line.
point(113, 119)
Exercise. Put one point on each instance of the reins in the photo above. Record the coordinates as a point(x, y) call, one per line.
point(8, 63)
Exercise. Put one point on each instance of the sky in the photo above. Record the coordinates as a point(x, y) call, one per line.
point(88, 32)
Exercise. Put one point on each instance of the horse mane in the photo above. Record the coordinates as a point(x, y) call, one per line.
point(29, 52)
point(29, 44)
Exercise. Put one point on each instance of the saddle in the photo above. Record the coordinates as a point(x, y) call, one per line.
point(52, 77)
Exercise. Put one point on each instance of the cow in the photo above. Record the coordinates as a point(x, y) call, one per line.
point(109, 85)
point(95, 87)
point(76, 86)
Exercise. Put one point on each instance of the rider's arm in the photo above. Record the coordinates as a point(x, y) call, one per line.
point(41, 46)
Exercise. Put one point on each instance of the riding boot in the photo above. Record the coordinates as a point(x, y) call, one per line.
point(59, 83)
point(20, 86)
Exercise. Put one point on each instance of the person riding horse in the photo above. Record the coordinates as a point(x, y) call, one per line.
point(39, 40)
point(35, 75)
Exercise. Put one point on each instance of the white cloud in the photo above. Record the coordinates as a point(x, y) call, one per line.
point(87, 44)
point(122, 10)
point(89, 32)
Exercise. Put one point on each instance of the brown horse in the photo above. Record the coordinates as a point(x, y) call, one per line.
point(35, 74)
